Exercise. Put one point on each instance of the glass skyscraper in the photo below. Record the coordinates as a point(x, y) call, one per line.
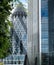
point(37, 54)
point(47, 32)
point(18, 37)
point(44, 33)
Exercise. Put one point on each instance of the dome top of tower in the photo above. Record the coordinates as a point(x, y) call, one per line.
point(20, 11)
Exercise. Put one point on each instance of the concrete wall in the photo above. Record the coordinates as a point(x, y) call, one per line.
point(32, 43)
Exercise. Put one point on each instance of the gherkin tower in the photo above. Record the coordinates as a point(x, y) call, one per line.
point(18, 37)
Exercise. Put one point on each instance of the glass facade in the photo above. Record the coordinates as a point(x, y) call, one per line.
point(47, 32)
point(44, 32)
point(51, 31)
point(14, 60)
point(18, 37)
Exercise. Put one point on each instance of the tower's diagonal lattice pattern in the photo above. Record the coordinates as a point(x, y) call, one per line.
point(18, 37)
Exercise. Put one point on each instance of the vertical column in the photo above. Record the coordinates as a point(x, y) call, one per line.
point(33, 32)
point(30, 31)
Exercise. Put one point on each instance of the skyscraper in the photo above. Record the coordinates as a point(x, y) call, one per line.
point(44, 33)
point(33, 33)
point(47, 31)
point(30, 46)
point(18, 37)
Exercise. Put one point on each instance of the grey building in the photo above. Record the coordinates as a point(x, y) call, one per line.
point(33, 32)
point(44, 51)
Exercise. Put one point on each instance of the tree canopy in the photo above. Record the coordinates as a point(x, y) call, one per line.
point(4, 28)
point(5, 43)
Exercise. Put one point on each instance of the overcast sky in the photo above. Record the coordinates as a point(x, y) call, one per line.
point(24, 2)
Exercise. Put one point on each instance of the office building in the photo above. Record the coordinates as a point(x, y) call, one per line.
point(47, 32)
point(45, 50)
point(39, 47)
point(33, 32)
point(18, 37)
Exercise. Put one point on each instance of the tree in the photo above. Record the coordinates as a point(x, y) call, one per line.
point(4, 28)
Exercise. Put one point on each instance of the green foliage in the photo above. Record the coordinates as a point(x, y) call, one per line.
point(1, 63)
point(4, 28)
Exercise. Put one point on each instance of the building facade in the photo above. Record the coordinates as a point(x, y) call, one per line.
point(33, 32)
point(18, 37)
point(22, 45)
point(47, 32)
point(44, 33)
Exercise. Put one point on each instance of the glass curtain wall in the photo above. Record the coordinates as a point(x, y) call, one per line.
point(51, 31)
point(44, 32)
point(47, 32)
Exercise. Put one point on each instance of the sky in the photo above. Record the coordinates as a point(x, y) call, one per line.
point(24, 3)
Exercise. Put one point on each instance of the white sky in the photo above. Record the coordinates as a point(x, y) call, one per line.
point(25, 4)
point(23, 1)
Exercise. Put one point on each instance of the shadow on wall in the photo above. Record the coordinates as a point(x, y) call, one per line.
point(26, 62)
point(36, 61)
